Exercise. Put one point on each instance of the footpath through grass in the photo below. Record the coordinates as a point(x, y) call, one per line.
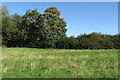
point(59, 63)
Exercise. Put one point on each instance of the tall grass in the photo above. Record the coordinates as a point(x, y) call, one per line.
point(59, 63)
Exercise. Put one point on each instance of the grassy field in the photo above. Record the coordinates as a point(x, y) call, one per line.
point(59, 63)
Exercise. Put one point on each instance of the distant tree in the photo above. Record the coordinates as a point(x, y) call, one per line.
point(83, 41)
point(63, 43)
point(20, 36)
point(94, 39)
point(116, 41)
point(8, 26)
point(73, 43)
point(30, 27)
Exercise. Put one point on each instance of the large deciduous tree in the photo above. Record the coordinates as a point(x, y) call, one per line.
point(53, 27)
point(40, 30)
point(31, 25)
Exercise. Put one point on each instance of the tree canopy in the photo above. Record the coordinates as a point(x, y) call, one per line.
point(48, 30)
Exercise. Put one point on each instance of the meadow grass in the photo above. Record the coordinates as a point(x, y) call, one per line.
point(59, 63)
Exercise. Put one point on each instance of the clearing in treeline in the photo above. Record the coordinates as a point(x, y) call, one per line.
point(59, 63)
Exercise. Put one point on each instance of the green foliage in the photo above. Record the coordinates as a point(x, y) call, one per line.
point(8, 26)
point(31, 27)
point(63, 43)
point(53, 10)
point(38, 30)
point(116, 41)
point(48, 30)
point(95, 41)
point(53, 26)
point(67, 43)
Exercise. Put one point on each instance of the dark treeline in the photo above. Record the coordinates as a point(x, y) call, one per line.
point(48, 30)
point(90, 41)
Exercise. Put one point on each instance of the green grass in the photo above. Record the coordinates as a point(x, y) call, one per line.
point(59, 63)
